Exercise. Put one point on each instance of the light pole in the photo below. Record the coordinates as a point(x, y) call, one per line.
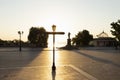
point(53, 66)
point(54, 33)
point(20, 33)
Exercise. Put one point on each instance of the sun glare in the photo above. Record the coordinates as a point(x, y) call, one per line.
point(60, 27)
point(57, 56)
point(60, 41)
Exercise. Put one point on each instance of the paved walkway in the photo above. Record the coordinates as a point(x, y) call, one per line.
point(68, 72)
point(35, 64)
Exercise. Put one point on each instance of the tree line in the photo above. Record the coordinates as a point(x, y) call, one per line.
point(38, 37)
point(11, 43)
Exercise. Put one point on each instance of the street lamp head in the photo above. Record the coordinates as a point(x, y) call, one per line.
point(19, 32)
point(53, 27)
point(22, 32)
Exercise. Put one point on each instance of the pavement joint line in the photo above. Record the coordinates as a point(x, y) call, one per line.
point(83, 73)
point(21, 67)
point(3, 68)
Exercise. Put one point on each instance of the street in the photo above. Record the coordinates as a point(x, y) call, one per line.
point(36, 64)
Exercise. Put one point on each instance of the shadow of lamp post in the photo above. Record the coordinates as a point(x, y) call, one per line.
point(20, 33)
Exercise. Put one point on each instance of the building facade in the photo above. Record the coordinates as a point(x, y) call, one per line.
point(103, 40)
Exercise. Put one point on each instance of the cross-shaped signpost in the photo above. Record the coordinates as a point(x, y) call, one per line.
point(54, 33)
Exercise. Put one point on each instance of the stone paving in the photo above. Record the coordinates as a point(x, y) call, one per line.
point(35, 64)
point(42, 73)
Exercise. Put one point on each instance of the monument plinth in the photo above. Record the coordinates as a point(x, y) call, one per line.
point(68, 40)
point(68, 46)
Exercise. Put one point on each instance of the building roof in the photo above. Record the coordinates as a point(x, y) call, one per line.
point(102, 35)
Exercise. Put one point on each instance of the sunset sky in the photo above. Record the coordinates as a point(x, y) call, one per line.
point(68, 15)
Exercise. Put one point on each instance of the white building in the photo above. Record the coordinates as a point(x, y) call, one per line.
point(104, 40)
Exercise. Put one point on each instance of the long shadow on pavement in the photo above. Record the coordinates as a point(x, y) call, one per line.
point(12, 61)
point(98, 59)
point(108, 50)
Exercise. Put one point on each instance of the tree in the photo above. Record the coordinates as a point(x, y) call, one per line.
point(82, 38)
point(42, 38)
point(38, 36)
point(116, 29)
point(1, 42)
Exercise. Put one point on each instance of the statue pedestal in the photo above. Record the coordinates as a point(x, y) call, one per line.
point(68, 46)
point(68, 42)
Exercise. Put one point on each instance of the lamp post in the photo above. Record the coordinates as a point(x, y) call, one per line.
point(20, 33)
point(53, 66)
point(54, 33)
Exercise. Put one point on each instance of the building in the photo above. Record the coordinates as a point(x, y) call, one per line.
point(103, 40)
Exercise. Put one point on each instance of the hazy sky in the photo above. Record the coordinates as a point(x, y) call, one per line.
point(68, 15)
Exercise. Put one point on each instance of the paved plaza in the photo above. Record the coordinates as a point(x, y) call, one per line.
point(36, 64)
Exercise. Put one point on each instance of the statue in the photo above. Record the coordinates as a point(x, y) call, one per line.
point(69, 35)
point(69, 46)
point(69, 40)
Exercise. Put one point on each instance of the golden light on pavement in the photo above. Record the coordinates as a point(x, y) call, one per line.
point(57, 56)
